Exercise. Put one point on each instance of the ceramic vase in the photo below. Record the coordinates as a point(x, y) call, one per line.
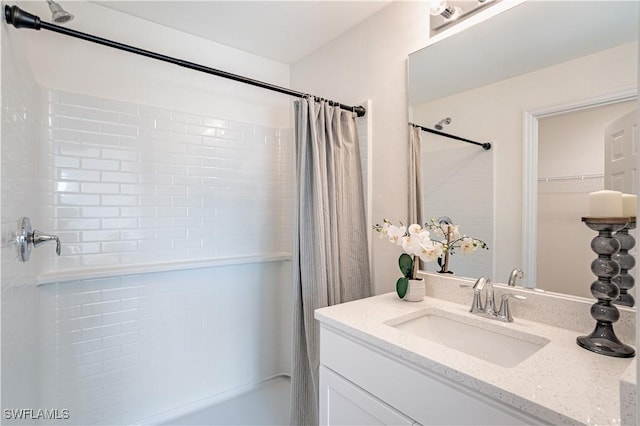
point(415, 291)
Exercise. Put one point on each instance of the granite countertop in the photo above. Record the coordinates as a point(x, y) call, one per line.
point(561, 383)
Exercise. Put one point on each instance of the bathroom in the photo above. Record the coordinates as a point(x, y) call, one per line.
point(175, 331)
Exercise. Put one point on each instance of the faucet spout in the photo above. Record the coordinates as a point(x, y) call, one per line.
point(516, 274)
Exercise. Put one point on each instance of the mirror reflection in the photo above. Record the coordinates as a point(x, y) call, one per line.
point(541, 82)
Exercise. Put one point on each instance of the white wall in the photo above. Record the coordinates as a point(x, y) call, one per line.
point(18, 294)
point(369, 62)
point(494, 113)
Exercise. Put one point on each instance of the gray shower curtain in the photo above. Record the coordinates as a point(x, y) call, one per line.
point(331, 257)
point(415, 177)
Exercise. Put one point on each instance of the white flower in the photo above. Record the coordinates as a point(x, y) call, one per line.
point(412, 245)
point(395, 233)
point(384, 229)
point(455, 233)
point(429, 251)
point(468, 245)
point(414, 229)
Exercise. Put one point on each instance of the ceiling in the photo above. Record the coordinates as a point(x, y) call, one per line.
point(285, 31)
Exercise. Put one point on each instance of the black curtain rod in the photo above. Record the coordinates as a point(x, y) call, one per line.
point(486, 146)
point(22, 19)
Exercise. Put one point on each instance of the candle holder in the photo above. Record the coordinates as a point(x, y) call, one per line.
point(603, 339)
point(625, 280)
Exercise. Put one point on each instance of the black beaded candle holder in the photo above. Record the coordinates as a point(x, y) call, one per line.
point(625, 280)
point(603, 339)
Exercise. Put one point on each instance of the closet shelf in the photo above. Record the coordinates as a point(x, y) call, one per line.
point(149, 268)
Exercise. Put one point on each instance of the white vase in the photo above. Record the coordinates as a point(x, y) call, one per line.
point(415, 291)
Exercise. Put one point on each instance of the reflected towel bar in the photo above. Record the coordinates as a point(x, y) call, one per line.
point(486, 146)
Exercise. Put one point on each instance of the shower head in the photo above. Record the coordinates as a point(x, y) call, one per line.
point(443, 122)
point(58, 14)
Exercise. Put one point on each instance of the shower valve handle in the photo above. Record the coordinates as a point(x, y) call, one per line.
point(26, 238)
point(38, 238)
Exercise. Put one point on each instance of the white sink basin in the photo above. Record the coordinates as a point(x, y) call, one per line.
point(503, 347)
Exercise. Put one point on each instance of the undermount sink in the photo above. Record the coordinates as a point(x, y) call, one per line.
point(456, 332)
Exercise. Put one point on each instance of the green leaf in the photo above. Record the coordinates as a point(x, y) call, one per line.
point(401, 286)
point(406, 265)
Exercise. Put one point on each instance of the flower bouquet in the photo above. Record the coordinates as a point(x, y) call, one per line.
point(447, 234)
point(416, 244)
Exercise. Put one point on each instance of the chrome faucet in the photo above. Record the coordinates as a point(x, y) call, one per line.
point(487, 309)
point(516, 274)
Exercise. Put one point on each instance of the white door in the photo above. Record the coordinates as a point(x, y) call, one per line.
point(621, 154)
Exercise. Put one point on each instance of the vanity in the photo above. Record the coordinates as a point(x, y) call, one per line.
point(387, 361)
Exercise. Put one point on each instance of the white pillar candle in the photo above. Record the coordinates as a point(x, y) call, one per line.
point(605, 204)
point(629, 205)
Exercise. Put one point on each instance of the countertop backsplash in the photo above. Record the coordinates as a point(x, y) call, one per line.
point(558, 310)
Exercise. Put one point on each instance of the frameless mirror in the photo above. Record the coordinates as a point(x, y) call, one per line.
point(541, 81)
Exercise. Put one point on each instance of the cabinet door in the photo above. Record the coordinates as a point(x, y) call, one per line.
point(343, 403)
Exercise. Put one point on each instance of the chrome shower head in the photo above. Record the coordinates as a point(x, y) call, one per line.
point(58, 14)
point(443, 122)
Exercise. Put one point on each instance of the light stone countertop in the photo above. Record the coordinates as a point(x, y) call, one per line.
point(561, 383)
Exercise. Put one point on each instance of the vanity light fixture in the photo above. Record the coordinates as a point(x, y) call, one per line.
point(442, 8)
point(445, 13)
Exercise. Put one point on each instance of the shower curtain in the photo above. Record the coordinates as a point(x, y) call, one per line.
point(415, 177)
point(331, 257)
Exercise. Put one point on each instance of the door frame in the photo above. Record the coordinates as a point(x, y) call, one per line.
point(530, 169)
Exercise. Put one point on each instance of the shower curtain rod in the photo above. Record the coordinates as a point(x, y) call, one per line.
point(486, 145)
point(22, 19)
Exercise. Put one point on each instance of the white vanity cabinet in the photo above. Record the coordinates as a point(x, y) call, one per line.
point(363, 385)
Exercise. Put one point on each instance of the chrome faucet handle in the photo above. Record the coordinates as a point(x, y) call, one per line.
point(504, 313)
point(476, 305)
point(38, 238)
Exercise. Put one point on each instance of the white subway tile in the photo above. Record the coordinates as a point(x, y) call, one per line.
point(119, 223)
point(65, 161)
point(119, 177)
point(118, 129)
point(107, 235)
point(101, 308)
point(137, 234)
point(119, 200)
point(101, 188)
point(119, 339)
point(78, 224)
point(119, 246)
point(80, 175)
point(100, 115)
point(100, 139)
point(100, 212)
point(95, 164)
point(78, 200)
point(67, 187)
point(77, 150)
point(120, 154)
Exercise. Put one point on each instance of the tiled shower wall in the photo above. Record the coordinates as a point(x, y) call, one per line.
point(129, 185)
point(18, 296)
point(467, 172)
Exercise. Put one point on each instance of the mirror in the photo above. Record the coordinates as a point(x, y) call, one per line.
point(499, 81)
